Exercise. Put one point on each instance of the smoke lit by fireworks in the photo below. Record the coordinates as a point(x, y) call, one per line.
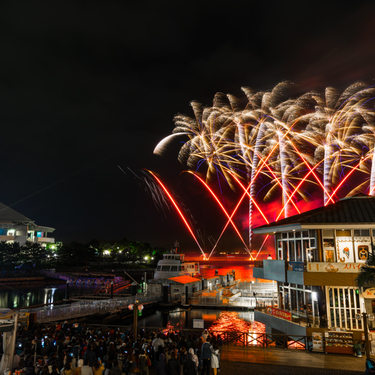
point(270, 148)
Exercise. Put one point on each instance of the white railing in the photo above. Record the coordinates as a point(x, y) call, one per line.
point(84, 308)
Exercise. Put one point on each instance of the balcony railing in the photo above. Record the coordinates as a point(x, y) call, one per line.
point(6, 238)
point(44, 239)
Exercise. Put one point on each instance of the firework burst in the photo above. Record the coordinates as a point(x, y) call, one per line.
point(281, 149)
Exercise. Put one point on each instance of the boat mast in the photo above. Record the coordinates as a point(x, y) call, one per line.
point(176, 246)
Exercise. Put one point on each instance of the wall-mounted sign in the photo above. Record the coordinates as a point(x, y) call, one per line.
point(369, 293)
point(198, 323)
point(279, 313)
point(296, 266)
point(362, 246)
point(344, 248)
point(333, 267)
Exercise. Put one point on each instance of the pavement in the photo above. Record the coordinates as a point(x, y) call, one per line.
point(238, 360)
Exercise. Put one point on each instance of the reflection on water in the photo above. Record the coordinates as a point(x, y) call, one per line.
point(181, 318)
point(23, 296)
point(20, 296)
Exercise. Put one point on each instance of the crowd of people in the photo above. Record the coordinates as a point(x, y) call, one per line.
point(74, 349)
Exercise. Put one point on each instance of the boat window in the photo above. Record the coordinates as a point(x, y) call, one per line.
point(178, 257)
point(158, 268)
point(165, 268)
point(183, 268)
point(174, 268)
point(179, 268)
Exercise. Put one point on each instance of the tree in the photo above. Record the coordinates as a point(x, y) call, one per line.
point(366, 274)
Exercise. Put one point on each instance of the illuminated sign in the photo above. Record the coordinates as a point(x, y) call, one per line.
point(198, 323)
point(333, 267)
point(279, 313)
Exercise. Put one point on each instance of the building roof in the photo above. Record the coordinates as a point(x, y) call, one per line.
point(184, 279)
point(8, 214)
point(353, 212)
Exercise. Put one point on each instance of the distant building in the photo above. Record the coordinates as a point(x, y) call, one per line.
point(15, 227)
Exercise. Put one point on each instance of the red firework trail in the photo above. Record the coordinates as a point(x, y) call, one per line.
point(177, 208)
point(221, 206)
point(347, 176)
point(312, 171)
point(226, 225)
point(260, 249)
point(280, 184)
point(252, 199)
point(296, 189)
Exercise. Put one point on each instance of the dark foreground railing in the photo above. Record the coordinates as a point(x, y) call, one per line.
point(249, 339)
point(264, 340)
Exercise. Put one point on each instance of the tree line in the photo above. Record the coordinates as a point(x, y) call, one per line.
point(74, 254)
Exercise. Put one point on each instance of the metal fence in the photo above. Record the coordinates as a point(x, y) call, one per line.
point(84, 308)
point(255, 339)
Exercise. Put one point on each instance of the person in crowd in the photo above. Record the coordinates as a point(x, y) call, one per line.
point(144, 362)
point(90, 355)
point(182, 359)
point(173, 367)
point(98, 368)
point(205, 334)
point(115, 370)
point(44, 370)
point(215, 359)
point(55, 370)
point(191, 366)
point(194, 358)
point(131, 364)
point(206, 356)
point(67, 370)
point(161, 366)
point(157, 342)
point(86, 369)
point(107, 368)
point(78, 369)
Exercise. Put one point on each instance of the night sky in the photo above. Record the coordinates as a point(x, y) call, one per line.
point(88, 86)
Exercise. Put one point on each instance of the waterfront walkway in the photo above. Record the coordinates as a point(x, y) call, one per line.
point(249, 360)
point(241, 360)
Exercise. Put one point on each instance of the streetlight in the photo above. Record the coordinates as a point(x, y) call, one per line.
point(136, 307)
point(365, 316)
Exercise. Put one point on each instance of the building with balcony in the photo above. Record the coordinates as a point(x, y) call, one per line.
point(318, 257)
point(15, 227)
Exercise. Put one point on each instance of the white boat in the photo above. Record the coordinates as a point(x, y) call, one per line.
point(174, 265)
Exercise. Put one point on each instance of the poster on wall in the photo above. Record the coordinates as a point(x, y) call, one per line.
point(362, 246)
point(344, 246)
point(329, 248)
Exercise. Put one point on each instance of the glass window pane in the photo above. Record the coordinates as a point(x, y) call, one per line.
point(292, 255)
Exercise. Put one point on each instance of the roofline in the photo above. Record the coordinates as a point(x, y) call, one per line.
point(298, 226)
